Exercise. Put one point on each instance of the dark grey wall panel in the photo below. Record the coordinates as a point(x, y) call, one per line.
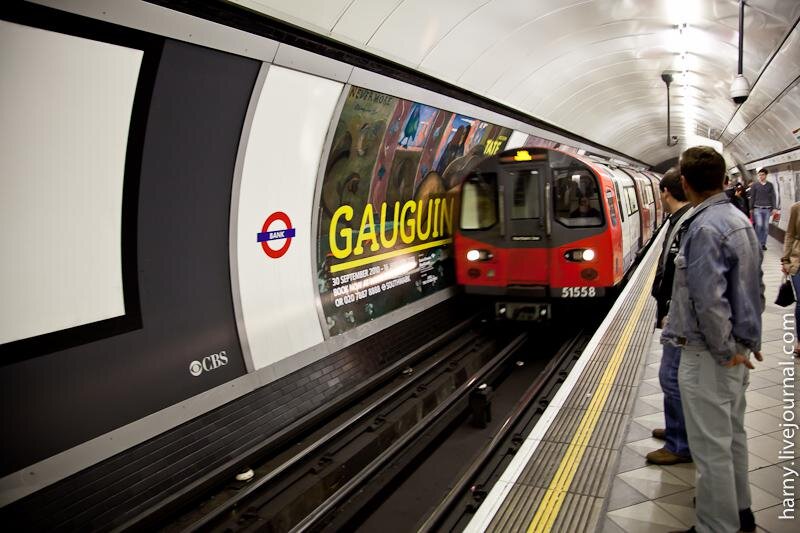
point(56, 401)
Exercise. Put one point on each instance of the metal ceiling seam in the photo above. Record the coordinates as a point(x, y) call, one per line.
point(577, 47)
point(519, 28)
point(587, 87)
point(579, 111)
point(572, 65)
point(450, 30)
point(385, 19)
point(341, 15)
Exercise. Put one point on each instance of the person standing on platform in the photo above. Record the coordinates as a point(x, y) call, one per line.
point(762, 195)
point(790, 264)
point(676, 447)
point(738, 197)
point(715, 318)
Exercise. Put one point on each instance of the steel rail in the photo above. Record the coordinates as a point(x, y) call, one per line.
point(523, 406)
point(313, 520)
point(344, 427)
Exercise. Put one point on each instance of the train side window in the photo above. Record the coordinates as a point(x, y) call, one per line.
point(479, 202)
point(526, 201)
point(619, 202)
point(651, 193)
point(612, 208)
point(633, 206)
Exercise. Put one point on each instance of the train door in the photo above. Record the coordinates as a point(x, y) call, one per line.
point(645, 231)
point(526, 220)
point(649, 205)
point(659, 208)
point(631, 221)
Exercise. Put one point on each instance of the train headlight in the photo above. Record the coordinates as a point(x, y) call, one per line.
point(580, 255)
point(478, 255)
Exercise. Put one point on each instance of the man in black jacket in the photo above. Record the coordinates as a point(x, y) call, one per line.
point(676, 448)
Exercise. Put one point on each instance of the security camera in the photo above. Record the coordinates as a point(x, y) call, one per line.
point(740, 89)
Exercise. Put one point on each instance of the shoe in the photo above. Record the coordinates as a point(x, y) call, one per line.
point(662, 456)
point(690, 530)
point(764, 247)
point(660, 434)
point(747, 521)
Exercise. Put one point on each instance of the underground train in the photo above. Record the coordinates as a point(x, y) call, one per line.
point(539, 226)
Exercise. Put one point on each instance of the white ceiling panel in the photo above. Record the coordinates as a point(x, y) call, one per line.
point(317, 15)
point(362, 19)
point(417, 26)
point(592, 67)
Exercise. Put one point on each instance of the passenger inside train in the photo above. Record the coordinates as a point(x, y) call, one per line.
point(584, 210)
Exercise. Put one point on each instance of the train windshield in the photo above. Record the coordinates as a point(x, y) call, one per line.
point(525, 194)
point(479, 201)
point(576, 196)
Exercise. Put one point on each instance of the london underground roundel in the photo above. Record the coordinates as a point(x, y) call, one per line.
point(277, 228)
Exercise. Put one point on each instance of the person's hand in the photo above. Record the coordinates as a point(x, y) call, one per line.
point(739, 359)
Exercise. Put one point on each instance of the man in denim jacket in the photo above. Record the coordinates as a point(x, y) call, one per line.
point(715, 318)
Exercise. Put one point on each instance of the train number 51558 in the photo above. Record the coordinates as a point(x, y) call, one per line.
point(578, 292)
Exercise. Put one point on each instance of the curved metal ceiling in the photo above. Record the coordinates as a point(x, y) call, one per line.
point(593, 67)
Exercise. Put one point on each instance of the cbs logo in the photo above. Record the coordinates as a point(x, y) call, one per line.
point(208, 363)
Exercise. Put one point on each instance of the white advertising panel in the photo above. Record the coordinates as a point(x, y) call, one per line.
point(65, 110)
point(516, 140)
point(274, 237)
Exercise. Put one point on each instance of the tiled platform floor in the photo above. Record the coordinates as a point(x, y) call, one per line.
point(654, 499)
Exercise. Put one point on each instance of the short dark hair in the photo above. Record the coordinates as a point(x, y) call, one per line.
point(672, 182)
point(703, 168)
point(760, 170)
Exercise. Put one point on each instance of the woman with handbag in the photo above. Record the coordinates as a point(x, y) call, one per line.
point(790, 264)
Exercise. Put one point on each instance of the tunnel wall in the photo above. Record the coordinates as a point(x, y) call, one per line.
point(227, 131)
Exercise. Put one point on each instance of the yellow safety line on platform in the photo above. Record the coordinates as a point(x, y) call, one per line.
point(553, 499)
point(387, 255)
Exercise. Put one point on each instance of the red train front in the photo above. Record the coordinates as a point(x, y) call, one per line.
point(538, 225)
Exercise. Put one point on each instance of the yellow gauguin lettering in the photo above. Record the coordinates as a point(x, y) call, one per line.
point(340, 253)
point(436, 231)
point(367, 232)
point(446, 217)
point(388, 243)
point(428, 211)
point(407, 221)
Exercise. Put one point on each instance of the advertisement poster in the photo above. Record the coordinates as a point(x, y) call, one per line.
point(387, 203)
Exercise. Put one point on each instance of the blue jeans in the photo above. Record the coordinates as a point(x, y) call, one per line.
point(714, 408)
point(677, 442)
point(761, 222)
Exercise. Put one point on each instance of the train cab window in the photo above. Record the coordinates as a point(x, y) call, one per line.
point(479, 201)
point(526, 201)
point(576, 197)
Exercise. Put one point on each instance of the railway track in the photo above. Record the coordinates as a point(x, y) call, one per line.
point(339, 474)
